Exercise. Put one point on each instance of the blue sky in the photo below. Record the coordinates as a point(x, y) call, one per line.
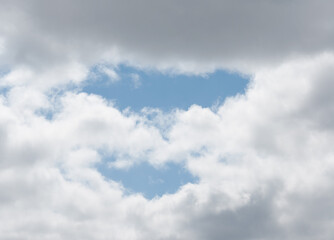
point(148, 180)
point(166, 92)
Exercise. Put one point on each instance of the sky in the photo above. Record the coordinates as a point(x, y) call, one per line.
point(135, 89)
point(163, 120)
point(138, 89)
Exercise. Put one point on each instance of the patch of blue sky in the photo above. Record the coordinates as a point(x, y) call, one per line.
point(53, 96)
point(4, 90)
point(137, 88)
point(3, 73)
point(150, 181)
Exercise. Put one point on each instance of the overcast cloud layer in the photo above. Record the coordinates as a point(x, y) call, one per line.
point(187, 36)
point(264, 159)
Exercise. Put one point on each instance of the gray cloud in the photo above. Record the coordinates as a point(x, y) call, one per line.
point(167, 33)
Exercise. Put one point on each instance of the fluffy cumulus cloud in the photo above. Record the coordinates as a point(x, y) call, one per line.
point(264, 159)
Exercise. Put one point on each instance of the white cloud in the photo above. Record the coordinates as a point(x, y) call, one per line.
point(135, 80)
point(264, 160)
point(111, 73)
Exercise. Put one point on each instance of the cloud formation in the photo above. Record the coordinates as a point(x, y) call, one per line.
point(187, 36)
point(264, 159)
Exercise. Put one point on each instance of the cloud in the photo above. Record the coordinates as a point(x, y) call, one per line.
point(135, 80)
point(263, 160)
point(110, 73)
point(188, 36)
